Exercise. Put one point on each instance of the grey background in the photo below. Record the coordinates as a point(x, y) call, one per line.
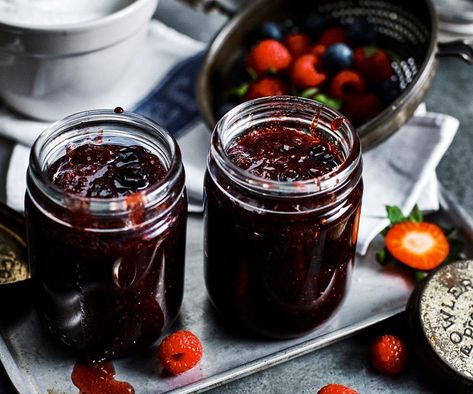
point(346, 362)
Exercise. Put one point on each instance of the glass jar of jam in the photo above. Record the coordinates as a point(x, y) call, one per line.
point(106, 213)
point(283, 195)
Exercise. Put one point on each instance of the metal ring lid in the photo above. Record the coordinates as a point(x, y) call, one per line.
point(440, 315)
point(14, 265)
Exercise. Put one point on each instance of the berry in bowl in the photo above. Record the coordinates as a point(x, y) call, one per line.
point(340, 65)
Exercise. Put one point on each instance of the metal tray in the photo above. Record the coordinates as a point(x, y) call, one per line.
point(35, 364)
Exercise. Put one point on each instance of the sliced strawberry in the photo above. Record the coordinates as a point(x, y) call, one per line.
point(304, 73)
point(422, 246)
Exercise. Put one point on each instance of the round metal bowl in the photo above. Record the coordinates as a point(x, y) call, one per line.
point(407, 27)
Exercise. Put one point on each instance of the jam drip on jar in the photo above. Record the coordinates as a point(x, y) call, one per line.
point(284, 154)
point(98, 379)
point(106, 170)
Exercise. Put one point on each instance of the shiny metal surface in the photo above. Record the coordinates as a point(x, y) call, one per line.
point(35, 364)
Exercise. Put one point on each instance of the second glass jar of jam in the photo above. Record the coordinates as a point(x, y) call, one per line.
point(106, 222)
point(283, 196)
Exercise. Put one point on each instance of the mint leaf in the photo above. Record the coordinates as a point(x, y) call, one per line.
point(416, 215)
point(328, 101)
point(238, 91)
point(395, 214)
point(309, 93)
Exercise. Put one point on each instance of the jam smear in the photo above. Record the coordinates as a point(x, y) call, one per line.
point(106, 170)
point(98, 379)
point(283, 153)
point(118, 110)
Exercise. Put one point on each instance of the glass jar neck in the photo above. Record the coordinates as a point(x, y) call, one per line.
point(104, 127)
point(287, 111)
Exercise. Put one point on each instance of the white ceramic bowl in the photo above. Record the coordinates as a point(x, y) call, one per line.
point(50, 72)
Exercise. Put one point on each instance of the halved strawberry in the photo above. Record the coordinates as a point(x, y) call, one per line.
point(422, 246)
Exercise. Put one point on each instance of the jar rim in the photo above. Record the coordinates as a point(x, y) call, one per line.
point(152, 195)
point(245, 114)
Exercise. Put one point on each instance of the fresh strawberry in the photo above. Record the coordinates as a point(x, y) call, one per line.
point(360, 109)
point(269, 56)
point(333, 35)
point(373, 64)
point(318, 51)
point(422, 246)
point(347, 83)
point(388, 354)
point(180, 351)
point(305, 74)
point(297, 44)
point(269, 86)
point(336, 389)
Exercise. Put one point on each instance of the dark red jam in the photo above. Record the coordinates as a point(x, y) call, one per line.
point(98, 379)
point(109, 282)
point(275, 264)
point(284, 154)
point(106, 171)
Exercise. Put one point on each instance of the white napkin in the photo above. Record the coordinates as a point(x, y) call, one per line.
point(401, 171)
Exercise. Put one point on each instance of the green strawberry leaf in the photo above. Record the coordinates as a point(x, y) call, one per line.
point(309, 93)
point(370, 51)
point(252, 73)
point(420, 275)
point(416, 215)
point(395, 214)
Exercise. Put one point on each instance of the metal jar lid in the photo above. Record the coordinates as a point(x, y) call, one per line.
point(440, 314)
point(14, 266)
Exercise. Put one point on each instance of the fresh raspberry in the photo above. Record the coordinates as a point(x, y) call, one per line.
point(297, 44)
point(269, 86)
point(373, 64)
point(347, 83)
point(269, 56)
point(336, 389)
point(333, 35)
point(318, 51)
point(180, 351)
point(360, 109)
point(304, 73)
point(388, 354)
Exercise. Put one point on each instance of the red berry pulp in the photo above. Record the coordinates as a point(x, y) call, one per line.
point(279, 274)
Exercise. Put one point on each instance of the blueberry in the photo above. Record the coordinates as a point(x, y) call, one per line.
point(314, 24)
point(268, 30)
point(361, 32)
point(337, 57)
point(389, 90)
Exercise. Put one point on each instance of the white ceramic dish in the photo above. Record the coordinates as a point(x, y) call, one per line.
point(51, 72)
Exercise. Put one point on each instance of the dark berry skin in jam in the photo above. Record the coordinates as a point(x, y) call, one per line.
point(107, 293)
point(279, 275)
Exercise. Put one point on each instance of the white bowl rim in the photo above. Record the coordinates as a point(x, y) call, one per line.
point(81, 26)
